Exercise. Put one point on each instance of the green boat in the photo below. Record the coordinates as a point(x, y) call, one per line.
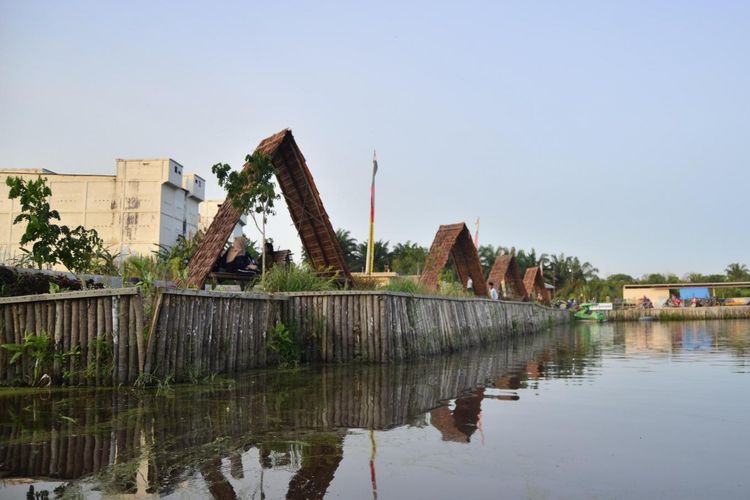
point(586, 314)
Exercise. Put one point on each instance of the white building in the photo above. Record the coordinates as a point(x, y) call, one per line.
point(145, 204)
point(209, 209)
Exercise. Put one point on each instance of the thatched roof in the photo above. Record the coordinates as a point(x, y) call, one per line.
point(454, 240)
point(533, 281)
point(305, 207)
point(506, 270)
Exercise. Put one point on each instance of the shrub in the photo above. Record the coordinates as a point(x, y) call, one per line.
point(405, 285)
point(293, 278)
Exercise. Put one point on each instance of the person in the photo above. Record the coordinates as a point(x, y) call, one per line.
point(237, 259)
point(470, 285)
point(493, 291)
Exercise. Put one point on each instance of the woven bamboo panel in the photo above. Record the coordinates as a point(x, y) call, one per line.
point(506, 270)
point(454, 240)
point(533, 281)
point(305, 207)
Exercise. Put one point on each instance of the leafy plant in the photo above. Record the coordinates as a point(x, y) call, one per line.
point(39, 350)
point(251, 190)
point(295, 278)
point(405, 285)
point(77, 249)
point(280, 340)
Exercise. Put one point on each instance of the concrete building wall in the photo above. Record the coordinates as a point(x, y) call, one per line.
point(146, 203)
point(209, 209)
point(658, 296)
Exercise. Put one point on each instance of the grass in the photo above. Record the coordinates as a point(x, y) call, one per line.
point(405, 285)
point(293, 278)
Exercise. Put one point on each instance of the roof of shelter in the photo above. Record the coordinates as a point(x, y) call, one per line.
point(305, 207)
point(454, 240)
point(533, 281)
point(505, 269)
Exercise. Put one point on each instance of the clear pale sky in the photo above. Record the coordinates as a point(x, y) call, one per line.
point(613, 131)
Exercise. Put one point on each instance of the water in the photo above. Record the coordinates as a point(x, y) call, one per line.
point(640, 410)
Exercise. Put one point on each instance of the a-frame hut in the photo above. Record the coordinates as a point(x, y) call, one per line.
point(506, 275)
point(305, 207)
point(533, 281)
point(454, 240)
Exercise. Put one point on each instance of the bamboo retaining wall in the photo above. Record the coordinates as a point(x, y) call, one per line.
point(199, 333)
point(680, 313)
point(96, 337)
point(69, 436)
point(99, 337)
point(382, 327)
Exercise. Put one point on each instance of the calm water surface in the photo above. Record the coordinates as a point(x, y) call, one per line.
point(641, 410)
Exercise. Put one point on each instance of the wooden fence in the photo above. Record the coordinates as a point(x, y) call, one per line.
point(681, 313)
point(92, 337)
point(385, 326)
point(69, 436)
point(98, 337)
point(197, 333)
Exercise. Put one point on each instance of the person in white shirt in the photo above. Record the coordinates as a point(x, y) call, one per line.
point(470, 285)
point(493, 291)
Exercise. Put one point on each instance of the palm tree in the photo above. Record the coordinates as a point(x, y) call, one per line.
point(348, 247)
point(487, 256)
point(737, 272)
point(381, 261)
point(408, 258)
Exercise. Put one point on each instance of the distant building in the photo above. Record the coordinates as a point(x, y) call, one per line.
point(209, 209)
point(145, 204)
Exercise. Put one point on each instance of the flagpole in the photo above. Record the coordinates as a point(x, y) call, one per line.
point(369, 265)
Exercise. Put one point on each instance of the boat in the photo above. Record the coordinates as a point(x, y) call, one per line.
point(586, 314)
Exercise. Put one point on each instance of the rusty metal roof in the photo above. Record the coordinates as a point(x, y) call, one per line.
point(506, 270)
point(533, 281)
point(454, 240)
point(305, 207)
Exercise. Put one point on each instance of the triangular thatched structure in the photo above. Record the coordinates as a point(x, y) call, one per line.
point(454, 240)
point(533, 281)
point(506, 275)
point(305, 207)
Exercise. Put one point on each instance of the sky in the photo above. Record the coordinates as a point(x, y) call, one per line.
point(613, 131)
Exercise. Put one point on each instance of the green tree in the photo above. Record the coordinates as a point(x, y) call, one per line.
point(487, 256)
point(251, 190)
point(348, 247)
point(408, 258)
point(737, 272)
point(78, 249)
point(381, 260)
point(41, 231)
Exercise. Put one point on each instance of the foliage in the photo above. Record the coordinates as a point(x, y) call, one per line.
point(405, 285)
point(381, 260)
point(453, 289)
point(79, 249)
point(38, 215)
point(13, 283)
point(348, 247)
point(251, 190)
point(408, 258)
point(294, 278)
point(567, 274)
point(737, 272)
point(280, 340)
point(39, 350)
point(173, 261)
point(487, 256)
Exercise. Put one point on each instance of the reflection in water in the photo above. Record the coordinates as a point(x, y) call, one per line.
point(275, 428)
